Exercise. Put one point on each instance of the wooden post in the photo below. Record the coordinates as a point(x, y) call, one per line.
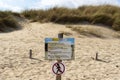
point(58, 77)
point(30, 54)
point(60, 35)
point(96, 58)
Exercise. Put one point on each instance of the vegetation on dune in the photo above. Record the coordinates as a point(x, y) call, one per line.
point(7, 22)
point(104, 14)
point(94, 31)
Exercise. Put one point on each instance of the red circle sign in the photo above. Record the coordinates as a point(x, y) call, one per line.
point(58, 68)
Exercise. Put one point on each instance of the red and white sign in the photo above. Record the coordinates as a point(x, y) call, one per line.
point(58, 68)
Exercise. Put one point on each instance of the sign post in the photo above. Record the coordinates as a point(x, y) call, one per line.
point(58, 68)
point(59, 49)
point(58, 77)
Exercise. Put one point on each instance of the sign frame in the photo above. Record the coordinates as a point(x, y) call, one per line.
point(68, 42)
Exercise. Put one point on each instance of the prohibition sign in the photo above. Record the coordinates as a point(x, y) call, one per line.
point(58, 68)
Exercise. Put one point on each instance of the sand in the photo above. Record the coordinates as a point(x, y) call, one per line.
point(15, 63)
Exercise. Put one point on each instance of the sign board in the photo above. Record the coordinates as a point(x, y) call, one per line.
point(56, 48)
point(58, 68)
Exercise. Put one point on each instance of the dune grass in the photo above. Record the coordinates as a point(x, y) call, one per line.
point(104, 14)
point(94, 31)
point(7, 22)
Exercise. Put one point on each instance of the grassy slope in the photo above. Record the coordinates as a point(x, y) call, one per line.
point(105, 14)
point(7, 21)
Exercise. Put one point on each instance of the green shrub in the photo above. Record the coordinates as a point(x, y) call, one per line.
point(16, 14)
point(72, 19)
point(2, 27)
point(89, 10)
point(108, 9)
point(116, 25)
point(103, 19)
point(7, 22)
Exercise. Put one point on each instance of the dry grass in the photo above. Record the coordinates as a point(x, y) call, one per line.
point(105, 14)
point(87, 31)
point(95, 31)
point(7, 22)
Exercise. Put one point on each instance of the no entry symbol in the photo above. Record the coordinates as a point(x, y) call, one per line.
point(58, 68)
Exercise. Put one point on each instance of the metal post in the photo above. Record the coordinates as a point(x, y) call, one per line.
point(58, 77)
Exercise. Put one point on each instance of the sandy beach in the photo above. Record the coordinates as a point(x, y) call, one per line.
point(15, 63)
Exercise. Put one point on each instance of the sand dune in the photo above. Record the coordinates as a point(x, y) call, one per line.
point(16, 65)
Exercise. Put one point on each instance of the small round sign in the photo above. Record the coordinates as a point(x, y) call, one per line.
point(58, 68)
